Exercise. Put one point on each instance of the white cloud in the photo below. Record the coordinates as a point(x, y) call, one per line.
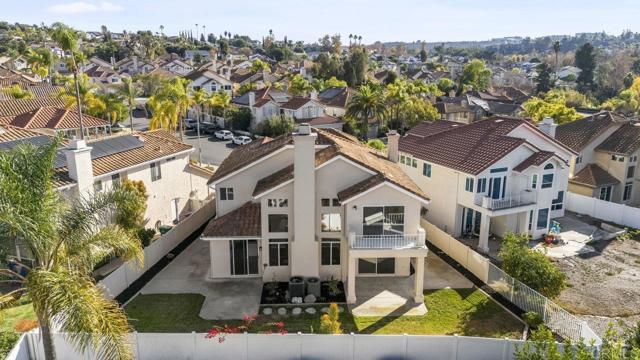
point(81, 7)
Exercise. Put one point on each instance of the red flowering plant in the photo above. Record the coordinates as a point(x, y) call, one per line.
point(221, 332)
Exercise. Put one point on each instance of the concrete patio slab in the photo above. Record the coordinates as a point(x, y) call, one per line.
point(439, 275)
point(188, 274)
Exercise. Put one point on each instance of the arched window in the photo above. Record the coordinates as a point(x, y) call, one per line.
point(548, 166)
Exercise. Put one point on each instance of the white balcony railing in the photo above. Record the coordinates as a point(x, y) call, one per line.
point(511, 201)
point(403, 241)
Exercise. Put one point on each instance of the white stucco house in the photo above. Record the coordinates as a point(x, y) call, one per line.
point(282, 211)
point(497, 175)
point(209, 80)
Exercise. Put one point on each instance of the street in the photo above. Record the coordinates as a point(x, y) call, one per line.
point(213, 150)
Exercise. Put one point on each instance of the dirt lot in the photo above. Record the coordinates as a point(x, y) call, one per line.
point(604, 285)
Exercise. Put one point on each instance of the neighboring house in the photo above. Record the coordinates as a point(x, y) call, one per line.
point(134, 66)
point(15, 107)
point(497, 175)
point(156, 158)
point(190, 55)
point(38, 89)
point(568, 72)
point(177, 66)
point(105, 76)
point(282, 212)
point(55, 120)
point(335, 100)
point(608, 147)
point(268, 102)
point(459, 112)
point(209, 80)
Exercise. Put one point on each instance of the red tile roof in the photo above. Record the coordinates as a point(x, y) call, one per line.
point(536, 159)
point(54, 118)
point(244, 221)
point(594, 176)
point(625, 140)
point(579, 133)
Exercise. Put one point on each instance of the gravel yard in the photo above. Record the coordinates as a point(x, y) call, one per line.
point(604, 285)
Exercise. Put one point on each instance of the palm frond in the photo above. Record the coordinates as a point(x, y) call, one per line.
point(107, 242)
point(10, 299)
point(78, 307)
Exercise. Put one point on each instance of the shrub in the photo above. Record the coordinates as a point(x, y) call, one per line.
point(330, 323)
point(146, 235)
point(131, 204)
point(7, 340)
point(531, 267)
point(377, 144)
point(24, 325)
point(276, 125)
point(240, 119)
point(533, 319)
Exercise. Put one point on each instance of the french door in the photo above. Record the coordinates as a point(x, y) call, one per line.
point(243, 257)
point(377, 266)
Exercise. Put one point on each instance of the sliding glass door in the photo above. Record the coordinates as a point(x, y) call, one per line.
point(243, 257)
point(377, 266)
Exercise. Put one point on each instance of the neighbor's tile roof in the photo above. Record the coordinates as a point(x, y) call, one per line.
point(335, 96)
point(243, 221)
point(625, 140)
point(468, 148)
point(536, 159)
point(52, 118)
point(279, 177)
point(594, 176)
point(15, 107)
point(295, 103)
point(579, 133)
point(321, 120)
point(157, 144)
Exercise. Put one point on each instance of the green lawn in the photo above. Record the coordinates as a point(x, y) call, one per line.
point(450, 311)
point(14, 314)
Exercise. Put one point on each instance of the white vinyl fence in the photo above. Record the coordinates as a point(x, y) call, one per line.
point(195, 346)
point(604, 210)
point(524, 297)
point(125, 275)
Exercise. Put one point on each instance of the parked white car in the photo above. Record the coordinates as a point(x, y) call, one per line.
point(223, 135)
point(241, 140)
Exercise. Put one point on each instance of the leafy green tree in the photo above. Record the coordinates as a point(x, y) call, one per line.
point(586, 61)
point(40, 60)
point(531, 267)
point(320, 84)
point(81, 95)
point(538, 109)
point(367, 103)
point(298, 85)
point(132, 196)
point(16, 92)
point(446, 85)
point(376, 144)
point(406, 106)
point(276, 125)
point(240, 118)
point(569, 97)
point(65, 241)
point(356, 66)
point(545, 78)
point(475, 75)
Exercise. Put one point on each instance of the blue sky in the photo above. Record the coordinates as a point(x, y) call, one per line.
point(385, 20)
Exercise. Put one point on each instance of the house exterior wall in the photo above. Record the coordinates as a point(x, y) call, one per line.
point(588, 153)
point(335, 111)
point(277, 273)
point(582, 190)
point(243, 183)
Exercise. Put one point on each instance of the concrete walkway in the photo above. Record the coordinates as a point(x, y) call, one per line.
point(188, 274)
point(393, 296)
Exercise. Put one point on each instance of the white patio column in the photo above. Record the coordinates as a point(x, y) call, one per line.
point(484, 233)
point(418, 280)
point(351, 280)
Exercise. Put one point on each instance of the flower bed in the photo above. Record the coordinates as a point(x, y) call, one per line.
point(277, 293)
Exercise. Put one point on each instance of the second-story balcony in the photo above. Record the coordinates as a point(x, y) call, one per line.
point(400, 241)
point(523, 198)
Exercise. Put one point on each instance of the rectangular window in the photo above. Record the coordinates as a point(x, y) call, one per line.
point(426, 169)
point(283, 203)
point(605, 193)
point(325, 202)
point(628, 187)
point(156, 171)
point(468, 185)
point(330, 252)
point(633, 159)
point(335, 202)
point(617, 158)
point(383, 220)
point(498, 170)
point(97, 186)
point(331, 223)
point(272, 202)
point(226, 193)
point(547, 181)
point(278, 252)
point(402, 159)
point(579, 159)
point(115, 179)
point(543, 219)
point(530, 219)
point(534, 181)
point(278, 223)
point(556, 204)
point(482, 185)
point(414, 163)
point(631, 172)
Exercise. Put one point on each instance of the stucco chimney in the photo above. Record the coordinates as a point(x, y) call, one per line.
point(392, 145)
point(79, 165)
point(313, 95)
point(548, 126)
point(252, 99)
point(135, 64)
point(304, 247)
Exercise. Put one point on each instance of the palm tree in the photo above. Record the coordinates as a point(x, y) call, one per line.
point(129, 91)
point(169, 105)
point(367, 103)
point(162, 30)
point(556, 49)
point(359, 39)
point(350, 38)
point(67, 39)
point(82, 95)
point(222, 101)
point(65, 240)
point(40, 61)
point(199, 98)
point(113, 106)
